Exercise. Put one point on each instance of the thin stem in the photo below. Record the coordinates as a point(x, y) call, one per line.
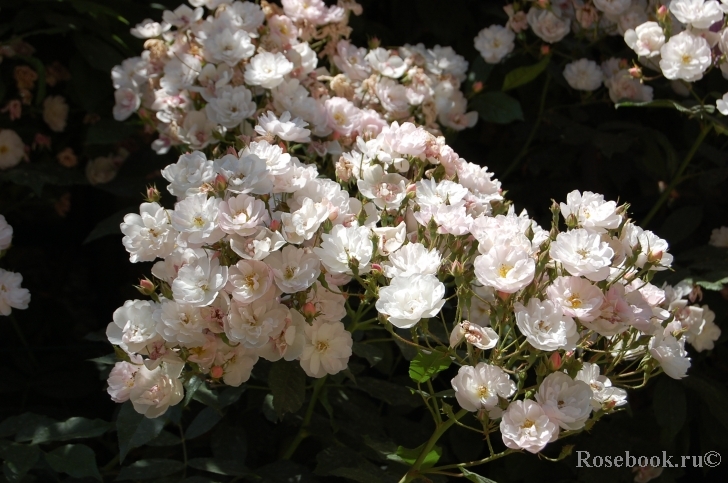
point(532, 134)
point(677, 178)
point(303, 430)
point(184, 448)
point(440, 429)
point(474, 463)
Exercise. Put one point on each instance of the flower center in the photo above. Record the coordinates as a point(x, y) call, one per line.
point(4, 149)
point(483, 392)
point(527, 424)
point(503, 270)
point(574, 301)
point(322, 346)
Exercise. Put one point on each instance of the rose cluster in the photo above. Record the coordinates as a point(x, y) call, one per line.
point(257, 248)
point(581, 301)
point(12, 295)
point(210, 70)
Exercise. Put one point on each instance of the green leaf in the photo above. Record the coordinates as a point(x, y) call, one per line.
point(73, 428)
point(150, 468)
point(230, 447)
point(165, 438)
point(497, 107)
point(347, 463)
point(135, 429)
point(37, 175)
point(470, 476)
point(409, 456)
point(24, 425)
point(670, 407)
point(203, 422)
point(76, 460)
point(287, 382)
point(191, 387)
point(370, 352)
point(425, 366)
point(110, 225)
point(389, 392)
point(681, 223)
point(524, 75)
point(212, 465)
point(18, 459)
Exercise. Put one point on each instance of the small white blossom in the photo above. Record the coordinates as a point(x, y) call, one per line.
point(345, 247)
point(582, 253)
point(406, 300)
point(685, 56)
point(545, 326)
point(494, 43)
point(156, 390)
point(507, 269)
point(294, 269)
point(480, 387)
point(327, 349)
point(525, 425)
point(148, 235)
point(583, 75)
point(646, 39)
point(670, 353)
point(481, 337)
point(267, 69)
point(12, 295)
point(567, 402)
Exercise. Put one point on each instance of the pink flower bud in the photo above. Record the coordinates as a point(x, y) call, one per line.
point(662, 13)
point(231, 150)
point(275, 225)
point(545, 50)
point(309, 310)
point(147, 284)
point(635, 72)
point(555, 361)
point(153, 194)
point(216, 372)
point(477, 87)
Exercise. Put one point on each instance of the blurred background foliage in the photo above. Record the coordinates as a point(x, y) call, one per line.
point(540, 138)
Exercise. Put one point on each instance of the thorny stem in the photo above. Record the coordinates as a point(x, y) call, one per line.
point(440, 429)
point(303, 430)
point(532, 134)
point(678, 175)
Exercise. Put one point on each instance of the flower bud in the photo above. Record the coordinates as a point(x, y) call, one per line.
point(545, 50)
point(374, 42)
point(477, 87)
point(555, 361)
point(309, 310)
point(146, 287)
point(635, 72)
point(153, 194)
point(217, 372)
point(274, 225)
point(662, 13)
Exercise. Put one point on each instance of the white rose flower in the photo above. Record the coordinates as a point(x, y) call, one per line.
point(722, 104)
point(289, 343)
point(412, 259)
point(55, 113)
point(685, 56)
point(133, 327)
point(230, 106)
point(245, 174)
point(101, 170)
point(653, 249)
point(327, 349)
point(241, 215)
point(390, 238)
point(156, 390)
point(248, 280)
point(195, 218)
point(254, 324)
point(583, 75)
point(718, 237)
point(565, 401)
point(148, 29)
point(284, 127)
point(494, 43)
point(545, 326)
point(237, 363)
point(576, 297)
point(386, 190)
point(507, 269)
point(199, 282)
point(408, 299)
point(480, 387)
point(582, 254)
point(386, 63)
point(183, 16)
point(589, 211)
point(700, 14)
point(622, 86)
point(344, 247)
point(525, 425)
point(121, 379)
point(12, 296)
point(258, 246)
point(189, 173)
point(342, 115)
point(294, 269)
point(604, 394)
point(303, 57)
point(646, 40)
point(227, 46)
point(547, 26)
point(6, 234)
point(350, 60)
point(670, 353)
point(180, 324)
point(702, 336)
point(12, 148)
point(303, 223)
point(127, 102)
point(148, 235)
point(267, 69)
point(481, 337)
